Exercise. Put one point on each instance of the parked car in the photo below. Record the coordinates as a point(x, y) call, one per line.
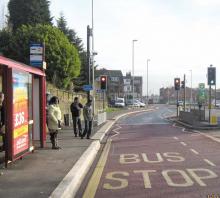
point(120, 102)
point(140, 103)
point(180, 103)
point(111, 103)
point(135, 104)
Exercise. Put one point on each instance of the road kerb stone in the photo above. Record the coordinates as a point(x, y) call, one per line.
point(72, 181)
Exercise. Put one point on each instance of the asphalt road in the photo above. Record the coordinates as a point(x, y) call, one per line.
point(147, 156)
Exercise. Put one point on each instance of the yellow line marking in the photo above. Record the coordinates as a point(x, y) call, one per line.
point(183, 143)
point(176, 138)
point(96, 176)
point(194, 151)
point(209, 162)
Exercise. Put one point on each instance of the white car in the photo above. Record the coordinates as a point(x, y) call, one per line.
point(120, 102)
point(141, 104)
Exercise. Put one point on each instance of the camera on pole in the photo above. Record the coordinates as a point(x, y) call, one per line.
point(177, 83)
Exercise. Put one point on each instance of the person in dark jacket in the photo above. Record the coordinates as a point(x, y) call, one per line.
point(2, 121)
point(75, 108)
point(88, 118)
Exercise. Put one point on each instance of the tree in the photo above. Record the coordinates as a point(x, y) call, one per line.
point(77, 42)
point(28, 12)
point(70, 33)
point(62, 24)
point(5, 36)
point(63, 62)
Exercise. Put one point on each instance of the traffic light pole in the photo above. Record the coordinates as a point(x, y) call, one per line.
point(103, 100)
point(184, 95)
point(209, 103)
point(177, 103)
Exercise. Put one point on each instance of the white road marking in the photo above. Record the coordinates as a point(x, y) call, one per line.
point(176, 138)
point(209, 162)
point(183, 130)
point(183, 143)
point(116, 131)
point(194, 151)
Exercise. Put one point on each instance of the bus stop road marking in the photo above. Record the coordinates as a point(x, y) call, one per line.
point(194, 151)
point(183, 143)
point(209, 162)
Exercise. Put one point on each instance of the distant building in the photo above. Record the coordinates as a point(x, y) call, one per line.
point(128, 85)
point(115, 85)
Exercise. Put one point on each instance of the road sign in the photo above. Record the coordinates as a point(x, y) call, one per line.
point(87, 87)
point(201, 93)
point(36, 54)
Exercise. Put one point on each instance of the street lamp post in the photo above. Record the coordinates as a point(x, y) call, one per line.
point(191, 100)
point(133, 71)
point(93, 53)
point(147, 80)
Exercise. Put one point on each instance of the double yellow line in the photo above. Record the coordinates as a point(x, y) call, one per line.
point(96, 176)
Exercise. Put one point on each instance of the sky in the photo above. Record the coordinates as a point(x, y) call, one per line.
point(176, 35)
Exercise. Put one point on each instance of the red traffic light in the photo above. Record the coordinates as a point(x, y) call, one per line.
point(103, 79)
point(103, 82)
point(177, 83)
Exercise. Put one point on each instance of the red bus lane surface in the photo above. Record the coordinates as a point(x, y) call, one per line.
point(156, 161)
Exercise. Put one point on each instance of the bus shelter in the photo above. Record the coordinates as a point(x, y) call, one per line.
point(24, 88)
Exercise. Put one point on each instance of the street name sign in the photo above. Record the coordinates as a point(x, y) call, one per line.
point(87, 87)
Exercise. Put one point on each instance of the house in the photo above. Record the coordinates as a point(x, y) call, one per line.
point(128, 85)
point(115, 85)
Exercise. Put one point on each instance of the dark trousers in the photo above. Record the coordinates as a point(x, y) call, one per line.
point(88, 128)
point(77, 122)
point(53, 138)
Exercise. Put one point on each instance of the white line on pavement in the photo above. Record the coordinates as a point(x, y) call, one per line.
point(194, 151)
point(176, 138)
point(209, 162)
point(183, 143)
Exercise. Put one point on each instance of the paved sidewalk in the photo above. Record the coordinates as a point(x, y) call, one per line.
point(38, 174)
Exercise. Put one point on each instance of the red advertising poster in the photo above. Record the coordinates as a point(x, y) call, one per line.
point(20, 112)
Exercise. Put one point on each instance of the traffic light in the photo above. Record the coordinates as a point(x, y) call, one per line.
point(211, 75)
point(103, 82)
point(183, 84)
point(177, 83)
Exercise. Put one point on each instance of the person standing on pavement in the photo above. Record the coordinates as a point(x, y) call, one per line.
point(88, 118)
point(54, 121)
point(2, 121)
point(75, 108)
